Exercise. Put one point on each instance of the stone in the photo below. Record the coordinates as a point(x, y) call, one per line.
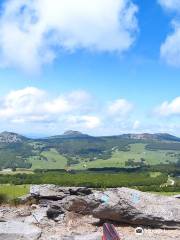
point(53, 192)
point(128, 206)
point(92, 236)
point(38, 216)
point(47, 191)
point(13, 230)
point(54, 211)
point(26, 198)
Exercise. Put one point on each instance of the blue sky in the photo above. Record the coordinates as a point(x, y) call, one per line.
point(105, 67)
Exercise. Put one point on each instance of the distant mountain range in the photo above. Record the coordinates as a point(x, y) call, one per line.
point(74, 147)
point(10, 137)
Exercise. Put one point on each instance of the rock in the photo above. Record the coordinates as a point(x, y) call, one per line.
point(39, 215)
point(12, 230)
point(177, 196)
point(54, 192)
point(93, 236)
point(82, 191)
point(26, 198)
point(129, 206)
point(47, 191)
point(54, 211)
point(78, 204)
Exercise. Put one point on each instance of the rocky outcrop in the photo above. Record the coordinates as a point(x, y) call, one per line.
point(121, 205)
point(13, 230)
point(130, 206)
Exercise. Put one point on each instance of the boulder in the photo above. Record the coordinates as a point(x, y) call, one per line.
point(47, 191)
point(12, 230)
point(129, 206)
point(53, 192)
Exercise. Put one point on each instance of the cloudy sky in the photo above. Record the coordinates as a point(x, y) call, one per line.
point(102, 66)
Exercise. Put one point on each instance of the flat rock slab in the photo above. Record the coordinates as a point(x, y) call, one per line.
point(12, 230)
point(93, 236)
point(54, 192)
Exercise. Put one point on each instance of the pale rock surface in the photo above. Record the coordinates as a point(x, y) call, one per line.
point(13, 230)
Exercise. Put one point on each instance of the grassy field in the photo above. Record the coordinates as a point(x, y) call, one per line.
point(136, 152)
point(26, 171)
point(54, 161)
point(13, 191)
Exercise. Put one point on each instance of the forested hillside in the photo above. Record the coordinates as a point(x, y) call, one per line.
point(77, 151)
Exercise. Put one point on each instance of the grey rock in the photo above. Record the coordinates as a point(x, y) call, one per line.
point(93, 236)
point(54, 192)
point(129, 206)
point(78, 204)
point(38, 216)
point(25, 199)
point(47, 191)
point(12, 230)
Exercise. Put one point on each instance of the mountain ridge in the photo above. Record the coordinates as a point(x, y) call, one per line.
point(12, 137)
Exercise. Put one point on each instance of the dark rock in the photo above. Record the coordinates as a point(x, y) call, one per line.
point(54, 211)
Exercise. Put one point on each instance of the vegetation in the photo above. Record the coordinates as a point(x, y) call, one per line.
point(10, 192)
point(78, 151)
point(100, 180)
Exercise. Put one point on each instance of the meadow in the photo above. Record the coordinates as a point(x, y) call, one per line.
point(48, 160)
point(136, 152)
point(13, 191)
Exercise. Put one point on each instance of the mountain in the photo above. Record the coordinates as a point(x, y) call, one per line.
point(72, 134)
point(148, 136)
point(74, 147)
point(10, 137)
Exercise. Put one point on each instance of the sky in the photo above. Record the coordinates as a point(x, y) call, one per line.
point(103, 67)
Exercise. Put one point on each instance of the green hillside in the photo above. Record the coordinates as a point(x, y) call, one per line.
point(75, 150)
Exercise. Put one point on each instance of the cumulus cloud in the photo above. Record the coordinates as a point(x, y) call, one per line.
point(169, 108)
point(120, 108)
point(34, 105)
point(86, 121)
point(170, 49)
point(170, 4)
point(75, 110)
point(32, 32)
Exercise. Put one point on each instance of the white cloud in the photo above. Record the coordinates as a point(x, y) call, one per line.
point(86, 121)
point(33, 107)
point(169, 108)
point(170, 49)
point(33, 31)
point(170, 4)
point(120, 108)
